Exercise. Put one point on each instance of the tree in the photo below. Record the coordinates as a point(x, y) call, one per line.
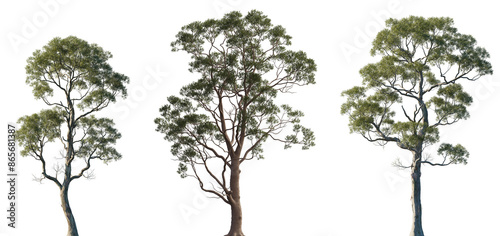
point(223, 118)
point(422, 62)
point(75, 80)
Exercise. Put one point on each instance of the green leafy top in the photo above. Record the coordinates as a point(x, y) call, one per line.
point(423, 59)
point(78, 70)
point(243, 64)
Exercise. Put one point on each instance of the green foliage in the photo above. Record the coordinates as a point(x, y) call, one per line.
point(410, 133)
point(451, 103)
point(457, 154)
point(186, 129)
point(423, 59)
point(405, 38)
point(365, 111)
point(99, 135)
point(73, 65)
point(244, 63)
point(38, 129)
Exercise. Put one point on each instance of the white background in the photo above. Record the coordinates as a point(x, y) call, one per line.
point(343, 186)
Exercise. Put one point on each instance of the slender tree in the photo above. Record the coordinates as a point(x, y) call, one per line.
point(223, 118)
point(75, 80)
point(422, 62)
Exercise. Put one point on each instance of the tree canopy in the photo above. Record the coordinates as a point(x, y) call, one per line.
point(422, 61)
point(77, 69)
point(243, 64)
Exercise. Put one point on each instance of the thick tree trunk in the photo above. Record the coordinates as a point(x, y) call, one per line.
point(416, 228)
point(234, 200)
point(236, 220)
point(72, 230)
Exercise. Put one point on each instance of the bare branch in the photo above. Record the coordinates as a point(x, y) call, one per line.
point(398, 164)
point(44, 171)
point(435, 164)
point(202, 186)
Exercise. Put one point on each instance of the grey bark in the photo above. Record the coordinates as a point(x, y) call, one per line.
point(72, 230)
point(70, 154)
point(416, 228)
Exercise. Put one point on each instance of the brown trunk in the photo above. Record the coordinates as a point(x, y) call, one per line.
point(236, 220)
point(416, 228)
point(72, 231)
point(234, 200)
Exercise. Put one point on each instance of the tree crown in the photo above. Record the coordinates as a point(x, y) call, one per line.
point(77, 69)
point(422, 62)
point(244, 64)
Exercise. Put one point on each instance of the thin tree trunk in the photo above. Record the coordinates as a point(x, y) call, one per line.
point(72, 230)
point(416, 228)
point(234, 199)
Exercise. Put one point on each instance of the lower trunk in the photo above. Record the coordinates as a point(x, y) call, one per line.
point(236, 220)
point(416, 228)
point(72, 231)
point(234, 200)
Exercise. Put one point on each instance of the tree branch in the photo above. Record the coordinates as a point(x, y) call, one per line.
point(218, 194)
point(44, 170)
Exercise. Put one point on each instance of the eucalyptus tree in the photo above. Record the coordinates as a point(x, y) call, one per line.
point(414, 90)
point(74, 79)
point(222, 119)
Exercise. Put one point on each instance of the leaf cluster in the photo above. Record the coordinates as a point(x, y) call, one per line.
point(39, 129)
point(455, 154)
point(98, 137)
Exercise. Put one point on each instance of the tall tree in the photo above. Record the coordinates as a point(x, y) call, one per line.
point(422, 62)
point(223, 118)
point(73, 78)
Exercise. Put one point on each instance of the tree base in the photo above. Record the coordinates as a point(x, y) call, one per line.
point(235, 234)
point(419, 232)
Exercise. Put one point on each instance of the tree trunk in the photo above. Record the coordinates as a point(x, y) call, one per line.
point(236, 219)
point(72, 230)
point(234, 200)
point(416, 228)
